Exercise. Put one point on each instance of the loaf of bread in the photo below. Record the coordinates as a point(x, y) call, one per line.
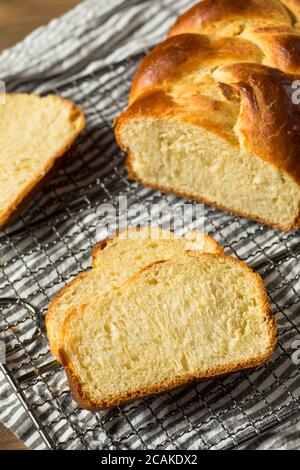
point(174, 322)
point(114, 261)
point(35, 133)
point(211, 113)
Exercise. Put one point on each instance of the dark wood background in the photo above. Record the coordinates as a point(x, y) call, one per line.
point(17, 19)
point(20, 17)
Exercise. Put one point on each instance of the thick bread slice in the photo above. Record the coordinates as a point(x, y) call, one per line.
point(114, 261)
point(172, 323)
point(35, 133)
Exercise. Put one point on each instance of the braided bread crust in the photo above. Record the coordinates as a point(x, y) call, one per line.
point(224, 78)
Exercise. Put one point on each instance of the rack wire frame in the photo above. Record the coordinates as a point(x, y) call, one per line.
point(51, 243)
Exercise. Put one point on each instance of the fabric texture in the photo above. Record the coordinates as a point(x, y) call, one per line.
point(93, 35)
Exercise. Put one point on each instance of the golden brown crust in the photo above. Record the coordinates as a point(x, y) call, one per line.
point(87, 402)
point(180, 56)
point(268, 121)
point(100, 247)
point(157, 104)
point(251, 50)
point(266, 105)
point(208, 15)
point(293, 9)
point(51, 312)
point(269, 25)
point(280, 45)
point(130, 113)
point(54, 164)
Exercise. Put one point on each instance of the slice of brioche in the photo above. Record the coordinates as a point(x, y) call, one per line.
point(35, 133)
point(174, 322)
point(114, 261)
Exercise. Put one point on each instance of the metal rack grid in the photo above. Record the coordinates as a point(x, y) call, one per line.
point(52, 242)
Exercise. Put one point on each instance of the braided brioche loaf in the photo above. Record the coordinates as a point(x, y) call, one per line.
point(211, 115)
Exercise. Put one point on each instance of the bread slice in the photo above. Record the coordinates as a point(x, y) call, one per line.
point(35, 133)
point(114, 261)
point(174, 322)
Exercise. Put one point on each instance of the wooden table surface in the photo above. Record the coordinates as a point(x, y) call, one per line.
point(20, 17)
point(8, 440)
point(17, 19)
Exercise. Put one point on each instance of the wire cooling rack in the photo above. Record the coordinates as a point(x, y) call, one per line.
point(51, 243)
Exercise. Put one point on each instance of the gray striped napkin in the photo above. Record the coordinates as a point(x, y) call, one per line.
point(92, 35)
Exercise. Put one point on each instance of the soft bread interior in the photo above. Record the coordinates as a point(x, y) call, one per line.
point(194, 161)
point(34, 131)
point(136, 248)
point(122, 256)
point(174, 321)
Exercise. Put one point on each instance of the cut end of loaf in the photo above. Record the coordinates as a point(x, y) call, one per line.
point(175, 322)
point(200, 164)
point(227, 68)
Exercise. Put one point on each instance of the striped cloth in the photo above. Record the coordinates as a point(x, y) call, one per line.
point(94, 34)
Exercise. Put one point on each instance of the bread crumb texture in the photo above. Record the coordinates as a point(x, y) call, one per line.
point(34, 133)
point(211, 115)
point(114, 261)
point(195, 162)
point(175, 321)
